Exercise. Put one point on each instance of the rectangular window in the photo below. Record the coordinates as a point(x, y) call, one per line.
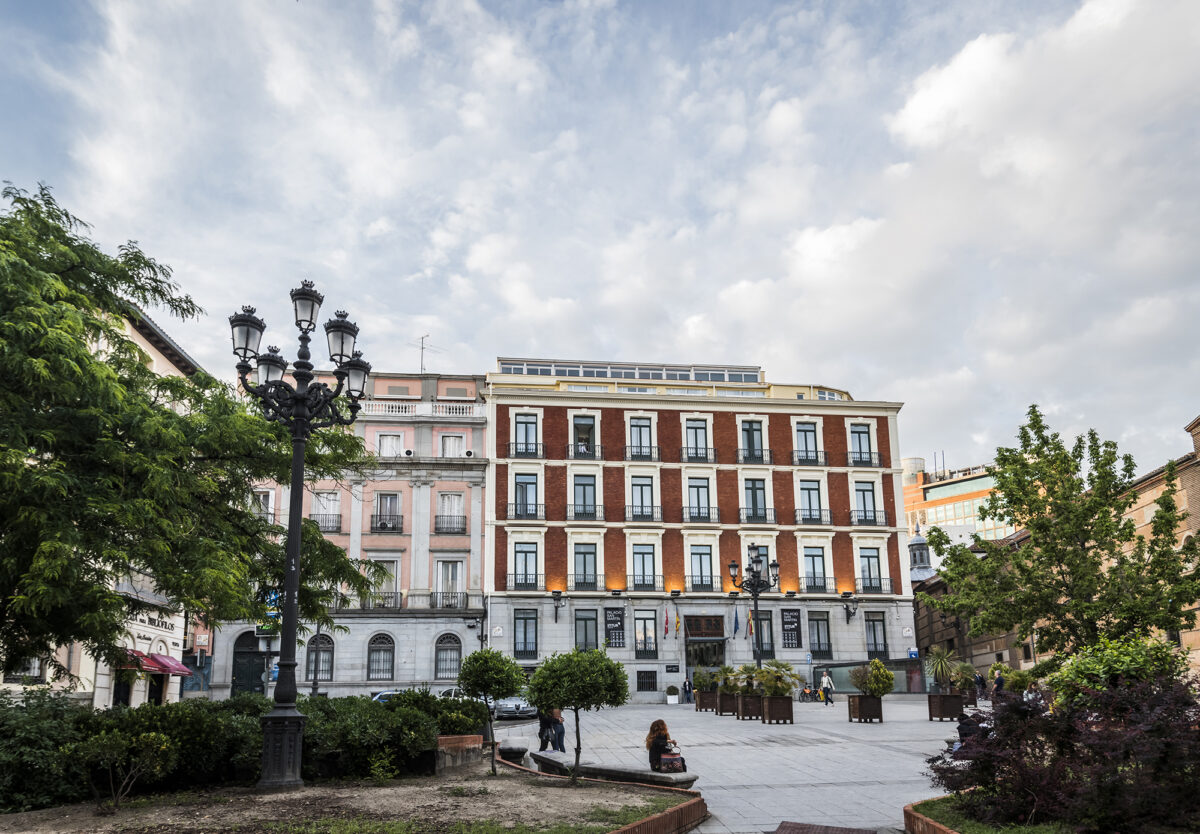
point(452, 446)
point(525, 495)
point(876, 636)
point(697, 440)
point(327, 511)
point(525, 633)
point(641, 442)
point(525, 565)
point(526, 435)
point(261, 506)
point(860, 444)
point(584, 430)
point(864, 501)
point(647, 681)
point(585, 567)
point(452, 507)
point(641, 498)
point(585, 496)
point(806, 444)
point(752, 441)
point(644, 623)
point(586, 634)
point(698, 499)
point(870, 573)
point(765, 636)
point(755, 506)
point(702, 575)
point(389, 445)
point(810, 502)
point(818, 636)
point(643, 567)
point(814, 570)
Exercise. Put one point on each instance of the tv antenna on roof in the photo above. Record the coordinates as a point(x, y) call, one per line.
point(424, 347)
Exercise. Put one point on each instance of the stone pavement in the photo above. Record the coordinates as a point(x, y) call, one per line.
point(822, 769)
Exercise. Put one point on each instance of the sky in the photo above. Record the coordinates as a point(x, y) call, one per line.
point(964, 207)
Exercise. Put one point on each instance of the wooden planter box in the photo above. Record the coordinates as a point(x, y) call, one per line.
point(865, 708)
point(706, 701)
point(777, 709)
point(727, 703)
point(945, 705)
point(749, 706)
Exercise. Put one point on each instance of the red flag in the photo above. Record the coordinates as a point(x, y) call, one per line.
point(666, 626)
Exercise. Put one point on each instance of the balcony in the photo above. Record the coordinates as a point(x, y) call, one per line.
point(766, 653)
point(586, 645)
point(641, 453)
point(643, 512)
point(808, 457)
point(387, 523)
point(585, 512)
point(452, 525)
point(643, 582)
point(448, 599)
point(585, 451)
point(525, 651)
point(754, 456)
point(703, 582)
point(868, 518)
point(873, 585)
point(526, 450)
point(533, 512)
point(265, 515)
point(877, 652)
point(821, 651)
point(328, 522)
point(382, 599)
point(391, 408)
point(702, 515)
point(582, 582)
point(818, 585)
point(757, 515)
point(697, 454)
point(526, 582)
point(615, 640)
point(645, 650)
point(863, 459)
point(811, 516)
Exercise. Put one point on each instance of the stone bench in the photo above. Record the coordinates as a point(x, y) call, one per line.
point(561, 764)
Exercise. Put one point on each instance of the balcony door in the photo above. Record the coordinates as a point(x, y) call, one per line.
point(450, 595)
point(584, 440)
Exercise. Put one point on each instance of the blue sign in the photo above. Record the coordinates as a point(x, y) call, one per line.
point(913, 654)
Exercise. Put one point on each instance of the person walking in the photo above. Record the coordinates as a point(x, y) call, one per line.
point(545, 730)
point(827, 687)
point(687, 690)
point(980, 685)
point(998, 685)
point(559, 730)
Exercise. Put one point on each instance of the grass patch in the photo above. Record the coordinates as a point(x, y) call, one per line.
point(460, 790)
point(171, 800)
point(945, 811)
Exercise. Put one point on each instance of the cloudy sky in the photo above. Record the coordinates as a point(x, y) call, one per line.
point(967, 207)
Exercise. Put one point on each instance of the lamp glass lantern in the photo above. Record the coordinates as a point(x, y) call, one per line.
point(341, 333)
point(306, 302)
point(756, 562)
point(356, 369)
point(271, 366)
point(247, 330)
point(733, 570)
point(775, 573)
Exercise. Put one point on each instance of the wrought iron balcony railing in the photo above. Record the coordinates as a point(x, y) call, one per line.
point(448, 599)
point(811, 516)
point(641, 453)
point(387, 523)
point(868, 518)
point(526, 450)
point(328, 522)
point(703, 582)
point(585, 451)
point(382, 599)
point(582, 582)
point(585, 512)
point(817, 585)
point(645, 650)
point(757, 515)
point(702, 515)
point(265, 515)
point(450, 524)
point(586, 645)
point(766, 653)
point(754, 456)
point(697, 454)
point(642, 512)
point(873, 585)
point(808, 457)
point(821, 651)
point(525, 651)
point(644, 582)
point(874, 652)
point(526, 582)
point(863, 459)
point(526, 511)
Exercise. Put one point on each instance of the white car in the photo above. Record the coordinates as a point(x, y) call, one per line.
point(515, 708)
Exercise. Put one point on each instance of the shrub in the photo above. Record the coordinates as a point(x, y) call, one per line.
point(34, 770)
point(963, 676)
point(703, 681)
point(125, 758)
point(746, 677)
point(873, 678)
point(343, 736)
point(456, 724)
point(1113, 663)
point(726, 677)
point(777, 678)
point(672, 690)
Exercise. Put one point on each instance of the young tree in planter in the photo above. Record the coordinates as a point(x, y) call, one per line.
point(579, 680)
point(489, 675)
point(1081, 573)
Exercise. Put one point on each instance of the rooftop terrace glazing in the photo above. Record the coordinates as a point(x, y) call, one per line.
point(627, 370)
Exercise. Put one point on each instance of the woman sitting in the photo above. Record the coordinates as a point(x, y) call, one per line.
point(658, 741)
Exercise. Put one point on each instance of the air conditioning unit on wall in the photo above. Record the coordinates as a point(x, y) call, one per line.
point(469, 453)
point(408, 453)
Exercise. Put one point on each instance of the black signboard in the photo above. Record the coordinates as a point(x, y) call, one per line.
point(791, 628)
point(614, 627)
point(672, 667)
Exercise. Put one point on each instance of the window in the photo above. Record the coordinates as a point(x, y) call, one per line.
point(320, 658)
point(449, 577)
point(765, 636)
point(697, 441)
point(822, 394)
point(643, 567)
point(525, 495)
point(261, 505)
point(31, 670)
point(397, 390)
point(585, 496)
point(525, 634)
point(327, 511)
point(810, 503)
point(452, 446)
point(876, 636)
point(647, 681)
point(389, 445)
point(752, 442)
point(381, 655)
point(864, 500)
point(448, 657)
point(585, 567)
point(525, 565)
point(870, 573)
point(452, 514)
point(818, 636)
point(526, 436)
point(701, 578)
point(641, 443)
point(755, 507)
point(584, 429)
point(806, 444)
point(860, 444)
point(644, 623)
point(814, 570)
point(585, 630)
point(698, 508)
point(641, 497)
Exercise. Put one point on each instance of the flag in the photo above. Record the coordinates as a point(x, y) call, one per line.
point(676, 624)
point(749, 626)
point(735, 621)
point(666, 624)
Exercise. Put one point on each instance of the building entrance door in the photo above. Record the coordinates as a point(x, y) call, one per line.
point(249, 665)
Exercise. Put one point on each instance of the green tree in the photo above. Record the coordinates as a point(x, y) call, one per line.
point(490, 675)
point(580, 680)
point(1081, 573)
point(109, 472)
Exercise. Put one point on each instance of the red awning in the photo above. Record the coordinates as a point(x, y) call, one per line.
point(173, 666)
point(146, 663)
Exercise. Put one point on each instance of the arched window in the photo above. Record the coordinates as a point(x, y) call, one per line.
point(381, 653)
point(448, 657)
point(320, 657)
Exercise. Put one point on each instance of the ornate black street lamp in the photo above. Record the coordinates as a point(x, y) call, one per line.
point(302, 408)
point(754, 583)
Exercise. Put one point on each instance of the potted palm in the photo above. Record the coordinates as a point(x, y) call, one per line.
point(749, 698)
point(940, 663)
point(704, 690)
point(727, 690)
point(872, 681)
point(777, 680)
point(963, 679)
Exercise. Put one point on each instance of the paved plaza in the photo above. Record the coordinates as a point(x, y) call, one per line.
point(822, 769)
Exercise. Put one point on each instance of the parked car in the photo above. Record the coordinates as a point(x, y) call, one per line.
point(515, 707)
point(452, 692)
point(387, 693)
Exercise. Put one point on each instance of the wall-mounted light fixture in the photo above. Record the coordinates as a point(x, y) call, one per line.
point(850, 604)
point(789, 594)
point(559, 602)
point(675, 593)
point(616, 592)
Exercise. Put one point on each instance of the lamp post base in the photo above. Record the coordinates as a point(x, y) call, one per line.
point(283, 744)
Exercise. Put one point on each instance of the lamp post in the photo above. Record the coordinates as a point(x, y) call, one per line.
point(755, 583)
point(304, 407)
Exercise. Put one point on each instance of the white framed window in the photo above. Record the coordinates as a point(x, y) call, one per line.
point(448, 657)
point(390, 445)
point(381, 658)
point(453, 445)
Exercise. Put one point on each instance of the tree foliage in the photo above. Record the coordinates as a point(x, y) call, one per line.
point(1114, 663)
point(110, 474)
point(490, 675)
point(580, 680)
point(1080, 572)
